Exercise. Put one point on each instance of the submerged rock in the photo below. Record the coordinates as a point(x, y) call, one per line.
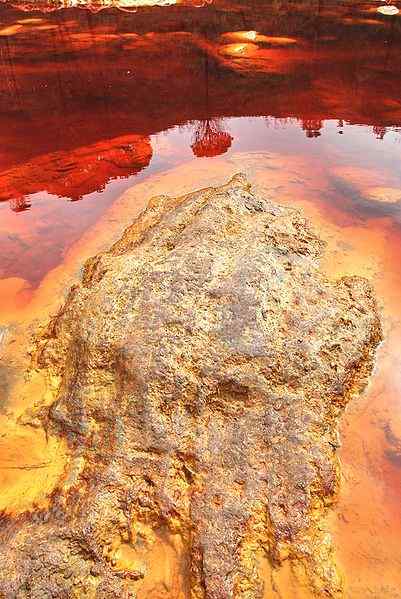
point(202, 364)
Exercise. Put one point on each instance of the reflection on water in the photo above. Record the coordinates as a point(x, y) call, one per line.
point(305, 97)
point(91, 5)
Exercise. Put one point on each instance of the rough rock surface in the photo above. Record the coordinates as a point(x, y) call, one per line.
point(201, 366)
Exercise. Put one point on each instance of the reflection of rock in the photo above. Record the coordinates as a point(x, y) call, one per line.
point(202, 365)
point(210, 140)
point(78, 172)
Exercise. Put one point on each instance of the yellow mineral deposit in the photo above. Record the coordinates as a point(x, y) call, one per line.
point(31, 466)
point(31, 462)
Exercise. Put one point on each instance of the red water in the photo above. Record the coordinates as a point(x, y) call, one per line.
point(306, 97)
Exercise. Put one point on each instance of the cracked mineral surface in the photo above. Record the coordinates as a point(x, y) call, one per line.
point(201, 366)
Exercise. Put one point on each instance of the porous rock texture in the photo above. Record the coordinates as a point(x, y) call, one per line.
point(201, 367)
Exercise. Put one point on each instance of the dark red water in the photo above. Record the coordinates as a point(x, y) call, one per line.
point(304, 96)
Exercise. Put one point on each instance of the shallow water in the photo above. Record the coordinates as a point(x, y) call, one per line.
point(305, 97)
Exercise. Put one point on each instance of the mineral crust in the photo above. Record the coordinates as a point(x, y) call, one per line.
point(201, 366)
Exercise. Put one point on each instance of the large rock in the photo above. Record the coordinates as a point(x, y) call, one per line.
point(201, 364)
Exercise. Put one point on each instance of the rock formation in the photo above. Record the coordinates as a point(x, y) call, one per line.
point(200, 369)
